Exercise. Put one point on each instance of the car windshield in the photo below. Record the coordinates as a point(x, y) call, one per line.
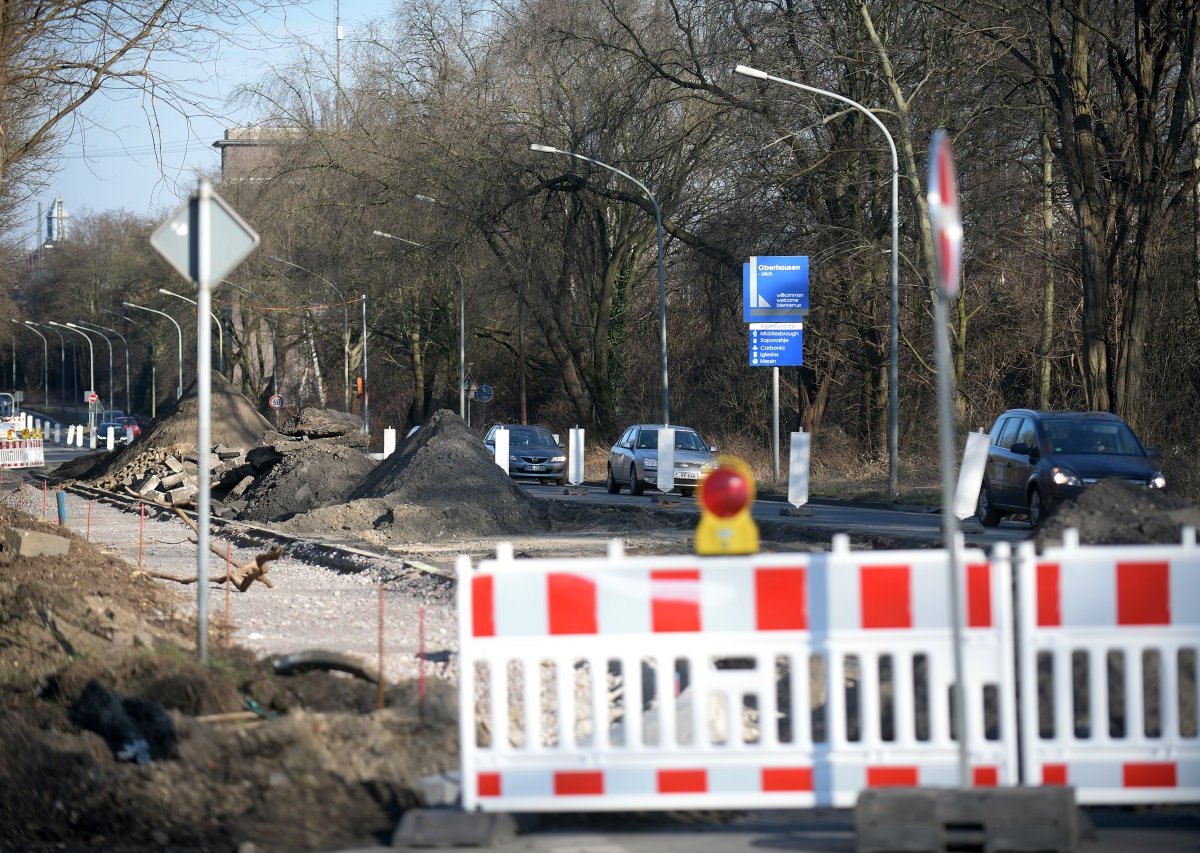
point(1081, 436)
point(684, 440)
point(530, 438)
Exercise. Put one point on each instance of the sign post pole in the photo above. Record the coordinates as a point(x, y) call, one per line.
point(204, 240)
point(946, 221)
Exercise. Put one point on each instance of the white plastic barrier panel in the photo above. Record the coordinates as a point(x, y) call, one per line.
point(682, 682)
point(500, 437)
point(798, 459)
point(22, 453)
point(389, 441)
point(1108, 652)
point(575, 453)
point(970, 474)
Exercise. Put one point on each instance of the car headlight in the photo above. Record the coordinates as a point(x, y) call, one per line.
point(514, 458)
point(1158, 481)
point(559, 459)
point(650, 462)
point(1064, 477)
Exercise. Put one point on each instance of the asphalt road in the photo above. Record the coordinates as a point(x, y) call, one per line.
point(912, 522)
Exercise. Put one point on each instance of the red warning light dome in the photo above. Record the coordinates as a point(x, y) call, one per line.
point(725, 491)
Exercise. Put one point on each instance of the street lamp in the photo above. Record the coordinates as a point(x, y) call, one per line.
point(178, 331)
point(462, 324)
point(122, 337)
point(91, 369)
point(62, 361)
point(110, 359)
point(153, 366)
point(662, 283)
point(345, 324)
point(216, 322)
point(45, 361)
point(894, 368)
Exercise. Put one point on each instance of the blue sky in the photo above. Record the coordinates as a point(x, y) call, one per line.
point(113, 164)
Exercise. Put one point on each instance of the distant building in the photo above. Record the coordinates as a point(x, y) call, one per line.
point(247, 151)
point(56, 223)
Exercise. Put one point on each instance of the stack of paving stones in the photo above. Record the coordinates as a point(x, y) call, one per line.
point(173, 480)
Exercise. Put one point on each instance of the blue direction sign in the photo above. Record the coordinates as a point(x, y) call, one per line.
point(775, 289)
point(483, 394)
point(776, 344)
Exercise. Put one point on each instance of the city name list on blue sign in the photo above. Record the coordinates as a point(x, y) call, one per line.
point(776, 344)
point(775, 289)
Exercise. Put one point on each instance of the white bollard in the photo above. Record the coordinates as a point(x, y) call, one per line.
point(500, 436)
point(129, 435)
point(92, 439)
point(70, 434)
point(110, 437)
point(79, 436)
point(575, 456)
point(389, 441)
point(57, 433)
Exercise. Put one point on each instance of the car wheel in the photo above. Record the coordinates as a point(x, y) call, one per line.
point(1037, 508)
point(561, 481)
point(636, 486)
point(614, 488)
point(987, 514)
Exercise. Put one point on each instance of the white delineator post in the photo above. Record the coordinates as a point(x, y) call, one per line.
point(389, 441)
point(970, 474)
point(798, 460)
point(666, 459)
point(575, 456)
point(501, 440)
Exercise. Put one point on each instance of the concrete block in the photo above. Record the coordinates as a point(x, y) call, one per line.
point(982, 819)
point(173, 464)
point(172, 480)
point(453, 828)
point(181, 495)
point(224, 452)
point(33, 543)
point(444, 789)
point(148, 485)
point(240, 489)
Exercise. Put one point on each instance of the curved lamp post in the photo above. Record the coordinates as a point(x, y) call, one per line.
point(153, 366)
point(662, 285)
point(216, 322)
point(178, 331)
point(345, 324)
point(100, 328)
point(462, 324)
point(62, 360)
point(91, 367)
point(893, 369)
point(108, 341)
point(45, 360)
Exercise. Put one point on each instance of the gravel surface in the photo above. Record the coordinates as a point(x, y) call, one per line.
point(310, 607)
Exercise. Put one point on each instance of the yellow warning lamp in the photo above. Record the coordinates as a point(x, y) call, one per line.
point(725, 495)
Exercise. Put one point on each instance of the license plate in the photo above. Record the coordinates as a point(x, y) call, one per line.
point(687, 475)
point(535, 468)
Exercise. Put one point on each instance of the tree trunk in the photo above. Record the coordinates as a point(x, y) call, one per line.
point(1047, 340)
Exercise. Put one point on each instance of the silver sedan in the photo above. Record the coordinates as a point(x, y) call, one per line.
point(633, 460)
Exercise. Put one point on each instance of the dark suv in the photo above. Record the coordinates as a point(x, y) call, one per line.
point(1037, 459)
point(533, 453)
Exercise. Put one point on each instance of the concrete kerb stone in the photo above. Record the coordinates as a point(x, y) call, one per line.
point(33, 543)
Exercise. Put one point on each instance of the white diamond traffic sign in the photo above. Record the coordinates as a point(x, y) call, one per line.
point(229, 241)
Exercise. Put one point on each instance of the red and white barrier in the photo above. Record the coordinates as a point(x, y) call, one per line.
point(1110, 638)
point(22, 453)
point(772, 680)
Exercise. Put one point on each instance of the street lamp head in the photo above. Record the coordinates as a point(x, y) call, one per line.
point(164, 290)
point(545, 149)
point(747, 71)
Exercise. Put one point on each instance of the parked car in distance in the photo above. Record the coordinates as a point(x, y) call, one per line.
point(533, 453)
point(1037, 459)
point(633, 460)
point(119, 423)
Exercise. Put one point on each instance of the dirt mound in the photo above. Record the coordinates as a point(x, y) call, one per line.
point(318, 474)
point(444, 481)
point(316, 766)
point(1113, 512)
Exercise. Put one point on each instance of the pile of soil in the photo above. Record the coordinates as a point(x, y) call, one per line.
point(1114, 512)
point(234, 422)
point(94, 655)
point(315, 460)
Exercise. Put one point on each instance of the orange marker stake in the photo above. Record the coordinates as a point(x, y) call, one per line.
point(141, 534)
point(44, 498)
point(381, 647)
point(88, 538)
